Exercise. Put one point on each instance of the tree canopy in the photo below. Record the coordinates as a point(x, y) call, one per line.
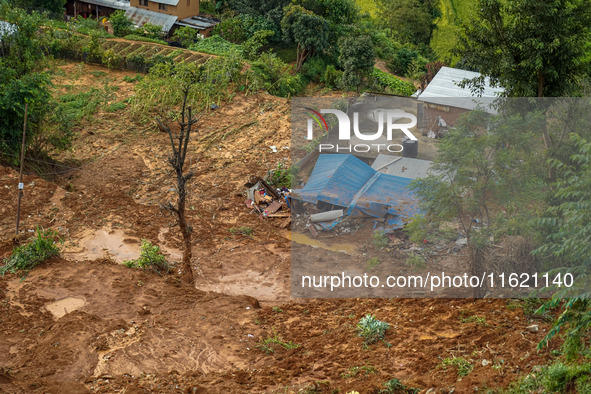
point(530, 47)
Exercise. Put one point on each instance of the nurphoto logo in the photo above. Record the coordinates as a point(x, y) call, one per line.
point(389, 117)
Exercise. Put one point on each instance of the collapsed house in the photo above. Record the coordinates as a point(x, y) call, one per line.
point(343, 186)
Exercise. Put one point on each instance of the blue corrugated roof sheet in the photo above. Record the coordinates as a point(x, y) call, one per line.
point(346, 181)
point(335, 180)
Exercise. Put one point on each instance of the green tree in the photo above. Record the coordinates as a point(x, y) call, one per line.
point(259, 39)
point(335, 11)
point(186, 36)
point(411, 21)
point(54, 6)
point(120, 23)
point(568, 229)
point(269, 9)
point(357, 60)
point(533, 48)
point(483, 163)
point(309, 31)
point(231, 29)
point(21, 80)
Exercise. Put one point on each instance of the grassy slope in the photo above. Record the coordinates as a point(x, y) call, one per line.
point(445, 35)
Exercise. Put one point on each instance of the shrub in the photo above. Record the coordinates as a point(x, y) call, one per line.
point(463, 366)
point(230, 30)
point(379, 239)
point(186, 35)
point(332, 77)
point(252, 46)
point(402, 60)
point(415, 260)
point(252, 24)
point(111, 59)
point(120, 23)
point(273, 75)
point(150, 259)
point(392, 84)
point(395, 386)
point(371, 329)
point(149, 30)
point(137, 37)
point(114, 107)
point(216, 45)
point(314, 69)
point(372, 263)
point(28, 256)
point(246, 231)
point(281, 176)
point(265, 344)
point(136, 78)
point(556, 378)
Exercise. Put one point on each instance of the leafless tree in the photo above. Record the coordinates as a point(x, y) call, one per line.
point(179, 142)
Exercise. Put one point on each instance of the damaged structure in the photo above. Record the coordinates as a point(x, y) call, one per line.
point(344, 186)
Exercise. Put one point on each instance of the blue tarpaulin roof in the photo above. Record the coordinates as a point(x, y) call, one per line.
point(345, 180)
point(336, 179)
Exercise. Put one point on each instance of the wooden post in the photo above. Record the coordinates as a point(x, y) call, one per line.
point(20, 178)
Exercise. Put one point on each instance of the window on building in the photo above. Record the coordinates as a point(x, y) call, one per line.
point(163, 7)
point(144, 2)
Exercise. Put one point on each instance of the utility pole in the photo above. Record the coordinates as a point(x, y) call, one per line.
point(20, 178)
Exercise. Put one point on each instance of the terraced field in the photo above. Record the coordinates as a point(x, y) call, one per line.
point(144, 52)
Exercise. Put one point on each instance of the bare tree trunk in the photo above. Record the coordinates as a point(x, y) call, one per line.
point(179, 145)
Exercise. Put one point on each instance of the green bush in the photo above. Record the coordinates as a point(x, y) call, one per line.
point(120, 23)
point(402, 60)
point(371, 329)
point(136, 78)
point(314, 69)
point(392, 84)
point(186, 35)
point(137, 37)
point(379, 239)
point(463, 366)
point(395, 386)
point(251, 24)
point(281, 176)
point(150, 259)
point(231, 30)
point(416, 261)
point(87, 26)
point(252, 46)
point(26, 257)
point(556, 378)
point(273, 75)
point(216, 45)
point(332, 77)
point(151, 31)
point(112, 59)
point(114, 107)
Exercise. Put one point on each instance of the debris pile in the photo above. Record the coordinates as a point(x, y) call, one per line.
point(267, 201)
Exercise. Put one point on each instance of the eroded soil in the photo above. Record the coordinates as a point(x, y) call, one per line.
point(83, 322)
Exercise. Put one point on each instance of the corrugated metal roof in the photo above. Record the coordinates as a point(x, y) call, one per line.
point(198, 22)
point(168, 2)
point(140, 16)
point(335, 180)
point(118, 5)
point(444, 90)
point(404, 167)
point(346, 181)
